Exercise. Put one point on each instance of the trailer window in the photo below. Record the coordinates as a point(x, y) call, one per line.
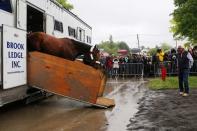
point(58, 26)
point(88, 39)
point(6, 5)
point(71, 32)
point(81, 34)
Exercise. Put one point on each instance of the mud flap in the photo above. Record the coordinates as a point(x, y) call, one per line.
point(66, 78)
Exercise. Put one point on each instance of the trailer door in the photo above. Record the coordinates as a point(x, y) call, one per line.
point(49, 24)
point(21, 15)
point(14, 61)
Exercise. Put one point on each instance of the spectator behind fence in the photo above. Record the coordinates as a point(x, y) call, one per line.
point(190, 51)
point(185, 62)
point(109, 65)
point(173, 60)
point(115, 66)
point(160, 55)
point(194, 52)
point(173, 55)
point(103, 61)
point(194, 55)
point(166, 56)
point(154, 59)
point(146, 62)
point(159, 58)
point(126, 59)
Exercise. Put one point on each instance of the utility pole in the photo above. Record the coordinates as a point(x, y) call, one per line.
point(138, 41)
point(176, 44)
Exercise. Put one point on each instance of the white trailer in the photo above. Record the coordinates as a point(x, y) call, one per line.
point(17, 18)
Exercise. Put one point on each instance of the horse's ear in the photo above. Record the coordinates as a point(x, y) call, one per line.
point(96, 47)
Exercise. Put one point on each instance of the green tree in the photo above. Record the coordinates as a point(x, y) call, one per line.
point(152, 51)
point(112, 47)
point(123, 45)
point(165, 47)
point(65, 4)
point(187, 45)
point(184, 22)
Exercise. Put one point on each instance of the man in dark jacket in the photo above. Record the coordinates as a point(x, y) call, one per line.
point(185, 62)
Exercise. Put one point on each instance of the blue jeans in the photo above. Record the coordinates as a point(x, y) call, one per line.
point(183, 80)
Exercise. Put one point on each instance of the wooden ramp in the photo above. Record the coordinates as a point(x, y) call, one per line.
point(71, 79)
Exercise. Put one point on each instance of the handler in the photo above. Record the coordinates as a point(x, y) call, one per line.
point(185, 62)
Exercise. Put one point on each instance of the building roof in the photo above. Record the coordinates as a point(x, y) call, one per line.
point(71, 13)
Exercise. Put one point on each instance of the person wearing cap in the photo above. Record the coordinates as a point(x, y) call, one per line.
point(185, 62)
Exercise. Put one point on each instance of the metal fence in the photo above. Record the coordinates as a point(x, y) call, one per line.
point(171, 68)
point(147, 70)
point(126, 70)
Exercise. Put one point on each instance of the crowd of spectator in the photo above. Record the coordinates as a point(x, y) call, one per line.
point(131, 64)
point(124, 64)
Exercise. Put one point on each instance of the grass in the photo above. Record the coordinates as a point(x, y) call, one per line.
point(170, 83)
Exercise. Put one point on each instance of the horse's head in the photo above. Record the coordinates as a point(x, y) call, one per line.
point(95, 53)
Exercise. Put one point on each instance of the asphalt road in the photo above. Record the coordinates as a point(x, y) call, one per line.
point(61, 114)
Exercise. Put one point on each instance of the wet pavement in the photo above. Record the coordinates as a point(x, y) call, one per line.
point(61, 114)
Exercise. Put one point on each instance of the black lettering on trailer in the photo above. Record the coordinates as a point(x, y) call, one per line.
point(16, 64)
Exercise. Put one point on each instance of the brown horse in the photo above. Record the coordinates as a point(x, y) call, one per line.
point(62, 47)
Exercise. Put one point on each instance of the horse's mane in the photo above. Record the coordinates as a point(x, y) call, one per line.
point(81, 45)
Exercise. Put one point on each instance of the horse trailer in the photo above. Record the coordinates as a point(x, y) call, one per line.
point(19, 17)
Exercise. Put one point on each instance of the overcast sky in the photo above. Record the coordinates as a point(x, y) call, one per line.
point(123, 19)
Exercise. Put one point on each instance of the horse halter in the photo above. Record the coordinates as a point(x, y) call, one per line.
point(91, 54)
